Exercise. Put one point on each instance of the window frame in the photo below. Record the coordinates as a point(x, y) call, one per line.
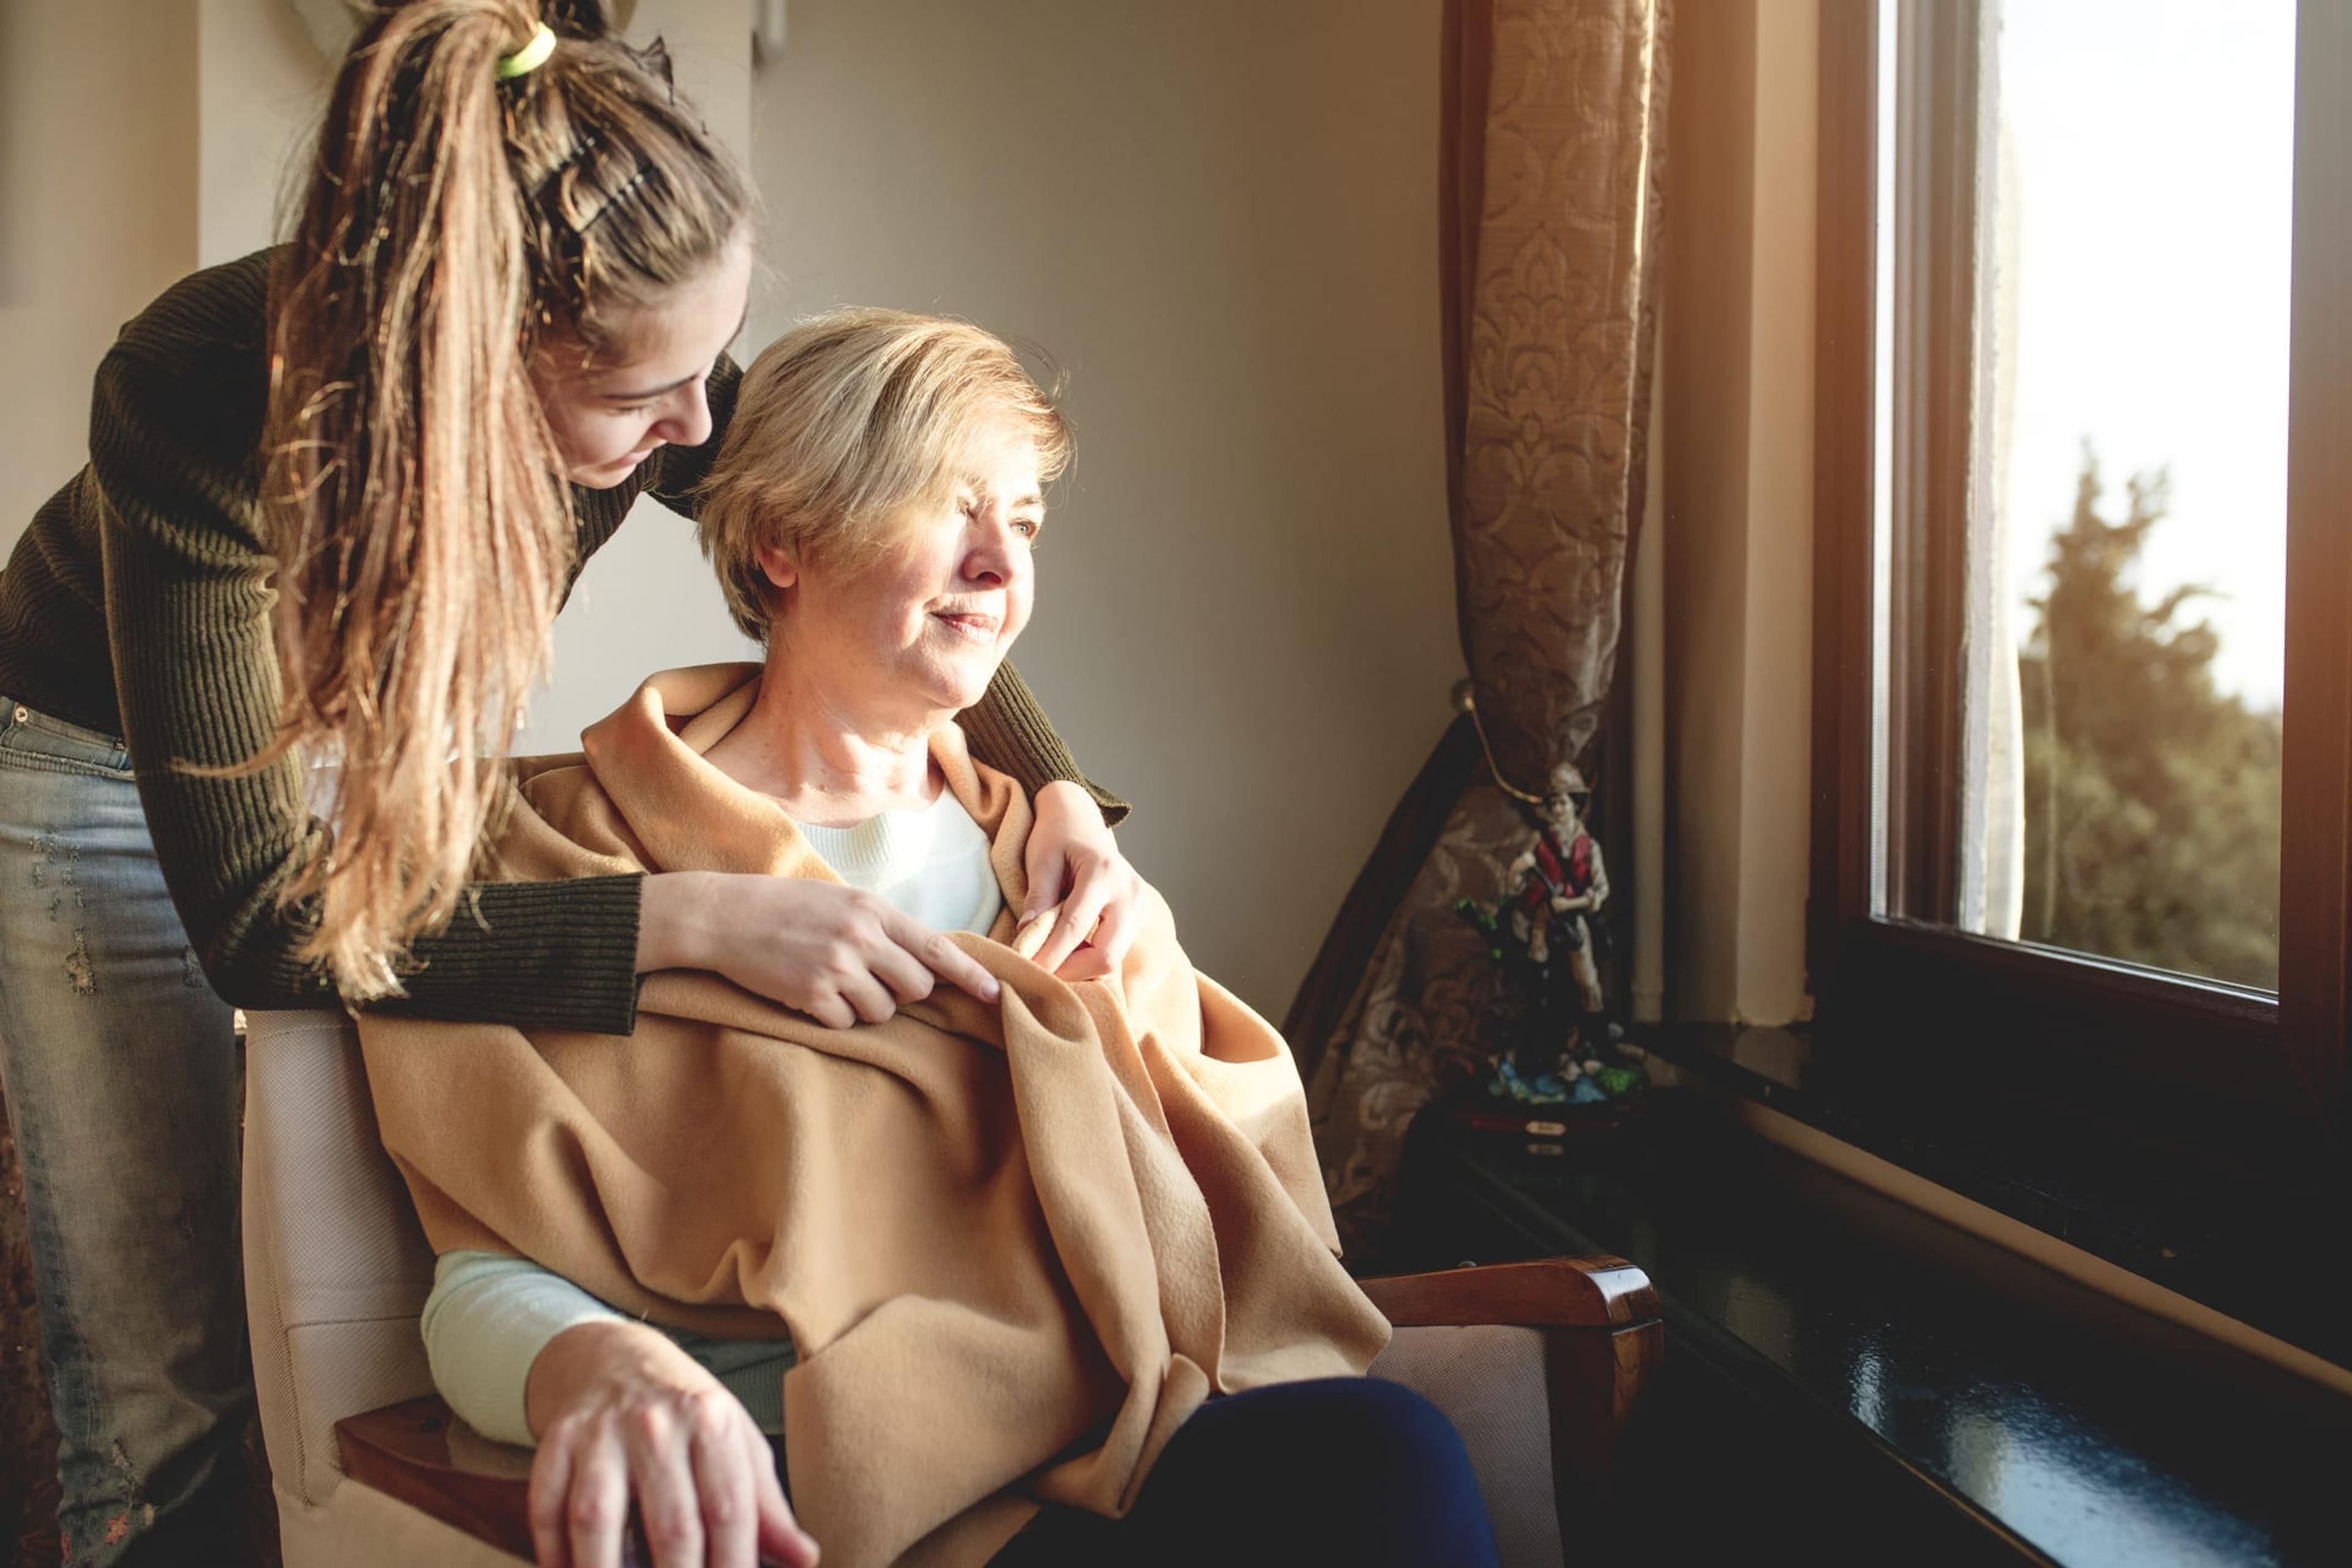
point(2122, 1061)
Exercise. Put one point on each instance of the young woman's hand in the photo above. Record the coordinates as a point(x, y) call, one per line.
point(840, 955)
point(1074, 861)
point(621, 1413)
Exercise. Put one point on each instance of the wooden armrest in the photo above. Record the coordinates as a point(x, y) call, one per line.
point(1599, 1316)
point(420, 1453)
point(1603, 1334)
point(1598, 1293)
point(405, 1451)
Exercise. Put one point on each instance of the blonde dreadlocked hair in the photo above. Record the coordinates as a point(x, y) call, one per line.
point(423, 528)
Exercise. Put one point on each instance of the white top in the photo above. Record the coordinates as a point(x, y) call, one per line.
point(489, 1316)
point(931, 862)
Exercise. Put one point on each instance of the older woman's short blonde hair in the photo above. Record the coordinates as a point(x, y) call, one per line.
point(846, 419)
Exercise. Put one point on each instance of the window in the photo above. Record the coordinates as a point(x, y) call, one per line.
point(2084, 688)
point(2120, 760)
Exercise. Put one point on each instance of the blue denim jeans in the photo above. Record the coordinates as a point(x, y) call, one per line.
point(123, 1086)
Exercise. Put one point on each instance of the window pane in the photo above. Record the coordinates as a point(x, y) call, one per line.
point(2124, 658)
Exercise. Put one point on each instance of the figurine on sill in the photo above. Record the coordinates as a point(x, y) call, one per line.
point(1562, 884)
point(1555, 1046)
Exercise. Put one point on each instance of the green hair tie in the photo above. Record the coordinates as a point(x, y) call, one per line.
point(528, 58)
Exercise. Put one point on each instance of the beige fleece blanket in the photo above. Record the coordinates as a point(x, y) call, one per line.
point(1016, 1243)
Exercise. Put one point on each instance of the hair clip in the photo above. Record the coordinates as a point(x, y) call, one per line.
point(619, 193)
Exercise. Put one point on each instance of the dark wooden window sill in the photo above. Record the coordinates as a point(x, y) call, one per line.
point(1854, 1381)
point(2188, 1225)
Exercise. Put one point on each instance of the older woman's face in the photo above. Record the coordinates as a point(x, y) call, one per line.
point(926, 623)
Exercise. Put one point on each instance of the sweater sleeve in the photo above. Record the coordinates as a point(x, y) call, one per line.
point(484, 1325)
point(1007, 730)
point(174, 460)
point(1010, 733)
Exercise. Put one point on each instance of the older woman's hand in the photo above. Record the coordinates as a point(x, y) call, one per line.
point(1073, 860)
point(622, 1412)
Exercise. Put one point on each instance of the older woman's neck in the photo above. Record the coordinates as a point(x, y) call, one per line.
point(824, 761)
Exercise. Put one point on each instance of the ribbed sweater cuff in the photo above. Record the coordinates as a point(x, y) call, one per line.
point(537, 955)
point(1114, 809)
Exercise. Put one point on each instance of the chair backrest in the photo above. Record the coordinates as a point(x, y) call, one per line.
point(336, 1270)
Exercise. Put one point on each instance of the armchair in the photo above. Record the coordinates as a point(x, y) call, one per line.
point(1536, 1362)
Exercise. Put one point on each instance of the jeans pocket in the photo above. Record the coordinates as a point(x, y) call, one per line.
point(32, 739)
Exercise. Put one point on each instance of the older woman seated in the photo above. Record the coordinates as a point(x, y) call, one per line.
point(1041, 1240)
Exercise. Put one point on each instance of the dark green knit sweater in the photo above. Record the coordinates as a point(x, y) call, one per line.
point(139, 603)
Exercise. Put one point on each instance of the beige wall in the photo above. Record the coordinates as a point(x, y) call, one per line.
point(262, 84)
point(1220, 218)
point(97, 212)
point(1737, 544)
point(1775, 812)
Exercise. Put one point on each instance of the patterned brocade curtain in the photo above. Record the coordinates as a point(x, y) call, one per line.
point(1554, 113)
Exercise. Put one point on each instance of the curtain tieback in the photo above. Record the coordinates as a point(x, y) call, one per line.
point(1466, 700)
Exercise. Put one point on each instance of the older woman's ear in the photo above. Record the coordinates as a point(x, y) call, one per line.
point(781, 570)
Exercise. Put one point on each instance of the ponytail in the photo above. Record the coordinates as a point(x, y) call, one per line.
point(415, 493)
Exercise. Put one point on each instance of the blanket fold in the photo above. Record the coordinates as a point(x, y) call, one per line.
point(1016, 1245)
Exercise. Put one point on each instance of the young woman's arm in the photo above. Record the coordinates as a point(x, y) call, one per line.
point(172, 485)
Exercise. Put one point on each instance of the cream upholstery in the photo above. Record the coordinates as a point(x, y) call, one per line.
point(1489, 1380)
point(337, 1273)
